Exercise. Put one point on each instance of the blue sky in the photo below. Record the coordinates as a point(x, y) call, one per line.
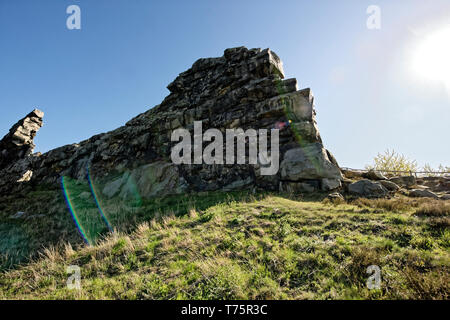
point(118, 65)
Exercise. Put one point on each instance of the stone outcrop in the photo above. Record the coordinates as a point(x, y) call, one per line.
point(422, 193)
point(374, 175)
point(368, 189)
point(352, 173)
point(18, 143)
point(404, 181)
point(436, 184)
point(391, 186)
point(369, 185)
point(245, 88)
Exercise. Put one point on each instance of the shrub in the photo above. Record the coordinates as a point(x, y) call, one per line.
point(440, 171)
point(390, 160)
point(393, 161)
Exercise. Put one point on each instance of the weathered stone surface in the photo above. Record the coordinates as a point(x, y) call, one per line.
point(158, 178)
point(26, 176)
point(242, 89)
point(351, 174)
point(445, 196)
point(422, 193)
point(367, 188)
point(404, 181)
point(18, 143)
point(330, 184)
point(389, 185)
point(374, 175)
point(308, 162)
point(300, 187)
point(436, 184)
point(112, 187)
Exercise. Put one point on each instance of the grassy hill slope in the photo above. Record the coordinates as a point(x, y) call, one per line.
point(238, 246)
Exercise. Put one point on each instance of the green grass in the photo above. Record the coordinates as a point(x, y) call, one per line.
point(242, 246)
point(48, 221)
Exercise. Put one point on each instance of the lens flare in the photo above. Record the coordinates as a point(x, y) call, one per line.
point(132, 190)
point(72, 210)
point(97, 202)
point(289, 114)
point(280, 125)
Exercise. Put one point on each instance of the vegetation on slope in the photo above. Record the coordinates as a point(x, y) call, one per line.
point(245, 247)
point(394, 163)
point(47, 220)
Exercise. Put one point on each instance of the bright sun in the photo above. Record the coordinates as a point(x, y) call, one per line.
point(431, 59)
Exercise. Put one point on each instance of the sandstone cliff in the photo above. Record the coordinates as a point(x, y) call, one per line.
point(242, 89)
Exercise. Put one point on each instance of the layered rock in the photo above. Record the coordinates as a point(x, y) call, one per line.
point(18, 143)
point(242, 89)
point(368, 189)
point(423, 193)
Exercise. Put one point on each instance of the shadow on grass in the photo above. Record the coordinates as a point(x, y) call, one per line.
point(53, 217)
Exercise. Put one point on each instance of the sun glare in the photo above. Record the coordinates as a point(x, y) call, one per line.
point(431, 59)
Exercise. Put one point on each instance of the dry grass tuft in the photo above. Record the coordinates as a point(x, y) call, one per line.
point(333, 201)
point(427, 286)
point(404, 204)
point(434, 208)
point(193, 213)
point(257, 249)
point(361, 258)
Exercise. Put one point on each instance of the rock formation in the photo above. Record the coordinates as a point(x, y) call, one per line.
point(368, 189)
point(18, 143)
point(242, 89)
point(373, 184)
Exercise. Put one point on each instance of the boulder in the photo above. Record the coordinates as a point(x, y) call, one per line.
point(368, 189)
point(308, 162)
point(391, 186)
point(155, 179)
point(374, 175)
point(422, 193)
point(404, 181)
point(445, 197)
point(299, 187)
point(436, 184)
point(351, 173)
point(330, 184)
